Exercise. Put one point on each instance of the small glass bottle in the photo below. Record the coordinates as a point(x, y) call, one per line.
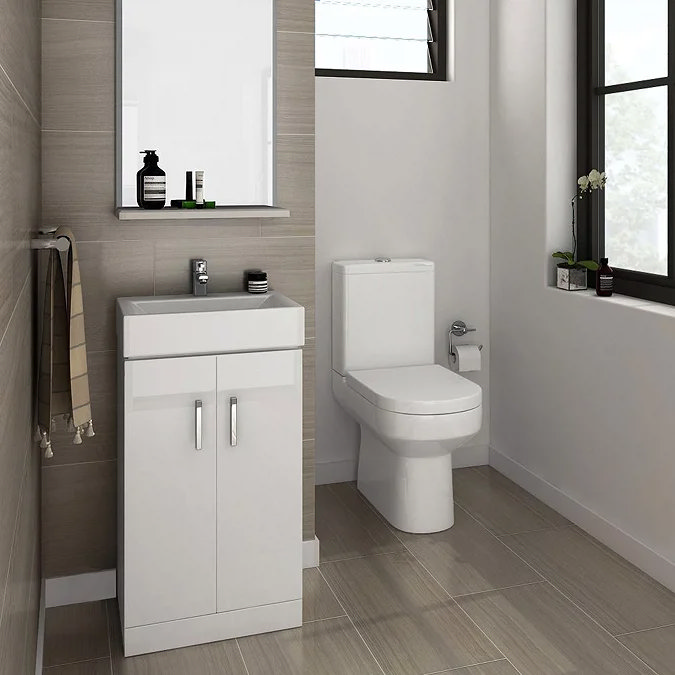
point(604, 279)
point(151, 183)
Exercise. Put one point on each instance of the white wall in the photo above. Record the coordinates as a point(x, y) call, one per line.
point(582, 389)
point(402, 170)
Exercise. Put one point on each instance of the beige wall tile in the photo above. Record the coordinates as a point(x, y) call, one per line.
point(16, 404)
point(79, 518)
point(309, 409)
point(299, 286)
point(20, 49)
point(21, 580)
point(111, 270)
point(295, 83)
point(78, 90)
point(227, 261)
point(308, 487)
point(295, 187)
point(94, 10)
point(295, 15)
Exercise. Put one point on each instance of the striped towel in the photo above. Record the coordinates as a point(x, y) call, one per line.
point(63, 386)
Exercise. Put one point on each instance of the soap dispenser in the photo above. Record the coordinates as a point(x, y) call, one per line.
point(151, 182)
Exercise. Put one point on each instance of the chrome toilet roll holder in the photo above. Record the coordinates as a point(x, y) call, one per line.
point(458, 329)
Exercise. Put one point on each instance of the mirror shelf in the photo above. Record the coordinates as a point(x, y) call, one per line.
point(219, 213)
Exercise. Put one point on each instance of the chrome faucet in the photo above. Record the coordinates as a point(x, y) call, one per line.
point(199, 277)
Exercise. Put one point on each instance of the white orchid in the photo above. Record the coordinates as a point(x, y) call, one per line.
point(595, 180)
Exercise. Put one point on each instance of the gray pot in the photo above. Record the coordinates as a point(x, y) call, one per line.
point(572, 277)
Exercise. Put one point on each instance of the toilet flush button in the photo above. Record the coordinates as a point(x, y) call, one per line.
point(382, 259)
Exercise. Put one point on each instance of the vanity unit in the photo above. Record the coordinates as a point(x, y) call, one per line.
point(210, 468)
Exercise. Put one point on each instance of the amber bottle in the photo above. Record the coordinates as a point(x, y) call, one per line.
point(604, 279)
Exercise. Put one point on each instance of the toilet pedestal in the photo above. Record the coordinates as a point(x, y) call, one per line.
point(413, 493)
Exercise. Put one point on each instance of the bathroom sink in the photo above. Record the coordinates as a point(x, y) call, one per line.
point(180, 325)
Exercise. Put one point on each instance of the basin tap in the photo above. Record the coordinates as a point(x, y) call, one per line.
point(199, 277)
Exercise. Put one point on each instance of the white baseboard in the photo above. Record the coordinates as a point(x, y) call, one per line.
point(40, 644)
point(79, 588)
point(344, 470)
point(310, 553)
point(340, 471)
point(649, 561)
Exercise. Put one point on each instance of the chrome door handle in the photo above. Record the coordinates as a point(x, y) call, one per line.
point(198, 425)
point(233, 421)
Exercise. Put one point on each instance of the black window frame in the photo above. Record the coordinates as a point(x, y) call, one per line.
point(590, 148)
point(438, 53)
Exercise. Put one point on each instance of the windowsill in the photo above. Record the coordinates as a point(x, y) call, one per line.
point(220, 212)
point(621, 301)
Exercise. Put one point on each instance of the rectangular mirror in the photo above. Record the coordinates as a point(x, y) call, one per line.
point(196, 84)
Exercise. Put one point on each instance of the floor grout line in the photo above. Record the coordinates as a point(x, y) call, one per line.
point(77, 663)
point(359, 557)
point(243, 660)
point(351, 621)
point(327, 618)
point(517, 534)
point(644, 630)
point(473, 665)
point(495, 590)
point(566, 597)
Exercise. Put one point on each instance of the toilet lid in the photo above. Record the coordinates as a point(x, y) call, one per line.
point(416, 390)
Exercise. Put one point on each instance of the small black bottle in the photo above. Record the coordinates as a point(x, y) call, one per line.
point(151, 183)
point(604, 279)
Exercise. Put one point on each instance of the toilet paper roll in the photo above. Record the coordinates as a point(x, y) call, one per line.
point(466, 358)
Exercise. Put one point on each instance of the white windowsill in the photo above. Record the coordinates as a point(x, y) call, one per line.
point(220, 212)
point(621, 301)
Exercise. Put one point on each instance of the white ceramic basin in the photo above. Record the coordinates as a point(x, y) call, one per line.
point(180, 325)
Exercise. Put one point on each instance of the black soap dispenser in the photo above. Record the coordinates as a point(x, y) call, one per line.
point(151, 182)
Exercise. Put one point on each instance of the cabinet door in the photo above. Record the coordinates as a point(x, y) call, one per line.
point(169, 489)
point(259, 479)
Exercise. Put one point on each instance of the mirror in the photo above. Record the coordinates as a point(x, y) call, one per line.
point(196, 83)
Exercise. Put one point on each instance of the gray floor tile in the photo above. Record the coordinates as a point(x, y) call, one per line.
point(407, 620)
point(342, 532)
point(501, 505)
point(318, 601)
point(541, 633)
point(75, 633)
point(215, 658)
point(467, 558)
point(655, 647)
point(98, 667)
point(614, 592)
point(330, 647)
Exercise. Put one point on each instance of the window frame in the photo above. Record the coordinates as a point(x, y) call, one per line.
point(438, 20)
point(590, 149)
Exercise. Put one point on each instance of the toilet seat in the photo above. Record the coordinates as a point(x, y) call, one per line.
point(416, 390)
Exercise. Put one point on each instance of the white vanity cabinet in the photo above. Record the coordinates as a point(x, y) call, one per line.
point(210, 497)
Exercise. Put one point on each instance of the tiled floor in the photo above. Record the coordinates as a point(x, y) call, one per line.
point(512, 588)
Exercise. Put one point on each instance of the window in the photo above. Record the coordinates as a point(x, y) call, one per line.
point(625, 99)
point(404, 39)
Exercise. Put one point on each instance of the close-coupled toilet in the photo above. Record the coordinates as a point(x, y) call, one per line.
point(412, 412)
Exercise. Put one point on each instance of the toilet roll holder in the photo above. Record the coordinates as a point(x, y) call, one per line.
point(458, 329)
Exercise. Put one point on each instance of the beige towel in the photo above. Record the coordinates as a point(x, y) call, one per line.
point(63, 387)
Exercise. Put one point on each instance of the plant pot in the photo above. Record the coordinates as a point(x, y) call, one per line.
point(572, 277)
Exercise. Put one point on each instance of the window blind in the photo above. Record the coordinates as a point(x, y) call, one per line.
point(376, 35)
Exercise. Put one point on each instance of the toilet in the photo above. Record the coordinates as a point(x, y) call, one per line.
point(412, 412)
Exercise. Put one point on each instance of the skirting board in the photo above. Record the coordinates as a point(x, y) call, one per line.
point(310, 553)
point(95, 586)
point(344, 470)
point(649, 561)
point(79, 588)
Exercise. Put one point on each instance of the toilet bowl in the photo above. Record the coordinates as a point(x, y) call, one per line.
point(412, 413)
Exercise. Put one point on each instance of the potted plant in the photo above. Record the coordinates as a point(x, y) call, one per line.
point(572, 273)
